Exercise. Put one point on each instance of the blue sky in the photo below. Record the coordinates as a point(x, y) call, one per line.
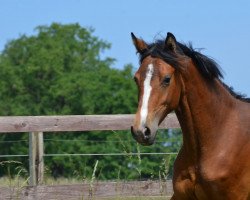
point(222, 27)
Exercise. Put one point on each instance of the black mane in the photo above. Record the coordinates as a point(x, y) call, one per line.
point(208, 68)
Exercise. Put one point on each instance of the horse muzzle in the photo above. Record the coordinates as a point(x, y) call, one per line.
point(143, 135)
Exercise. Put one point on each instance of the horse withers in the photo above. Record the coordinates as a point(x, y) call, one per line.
point(214, 160)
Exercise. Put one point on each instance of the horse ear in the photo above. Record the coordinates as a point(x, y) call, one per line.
point(140, 45)
point(170, 42)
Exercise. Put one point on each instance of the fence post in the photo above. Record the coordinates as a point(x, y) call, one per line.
point(36, 164)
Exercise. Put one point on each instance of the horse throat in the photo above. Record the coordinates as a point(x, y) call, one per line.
point(201, 112)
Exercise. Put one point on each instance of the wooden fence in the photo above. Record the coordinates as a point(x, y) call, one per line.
point(96, 190)
point(36, 125)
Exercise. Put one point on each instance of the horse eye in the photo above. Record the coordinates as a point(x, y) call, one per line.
point(166, 80)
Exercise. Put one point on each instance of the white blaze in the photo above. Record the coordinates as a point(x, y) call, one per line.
point(146, 94)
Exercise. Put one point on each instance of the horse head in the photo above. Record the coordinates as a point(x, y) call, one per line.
point(159, 87)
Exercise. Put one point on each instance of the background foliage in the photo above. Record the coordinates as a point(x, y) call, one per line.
point(59, 71)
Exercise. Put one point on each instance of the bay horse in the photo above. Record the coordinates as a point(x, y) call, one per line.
point(214, 160)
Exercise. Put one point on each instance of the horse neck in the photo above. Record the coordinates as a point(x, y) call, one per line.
point(201, 111)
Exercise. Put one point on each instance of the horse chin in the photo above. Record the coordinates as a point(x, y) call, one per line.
point(145, 141)
point(148, 143)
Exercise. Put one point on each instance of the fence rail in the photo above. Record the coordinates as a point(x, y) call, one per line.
point(74, 123)
point(96, 190)
point(36, 125)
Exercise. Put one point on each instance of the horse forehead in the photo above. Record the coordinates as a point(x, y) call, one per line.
point(148, 61)
point(145, 69)
point(156, 64)
point(162, 66)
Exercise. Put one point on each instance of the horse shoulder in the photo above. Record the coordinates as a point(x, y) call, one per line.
point(226, 170)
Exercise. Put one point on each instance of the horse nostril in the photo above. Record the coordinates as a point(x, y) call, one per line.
point(147, 132)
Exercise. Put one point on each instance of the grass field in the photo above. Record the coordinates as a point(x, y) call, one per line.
point(17, 187)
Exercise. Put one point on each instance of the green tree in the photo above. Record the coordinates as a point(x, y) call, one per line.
point(56, 71)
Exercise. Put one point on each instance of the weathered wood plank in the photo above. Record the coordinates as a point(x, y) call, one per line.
point(32, 158)
point(82, 191)
point(36, 153)
point(74, 123)
point(40, 160)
